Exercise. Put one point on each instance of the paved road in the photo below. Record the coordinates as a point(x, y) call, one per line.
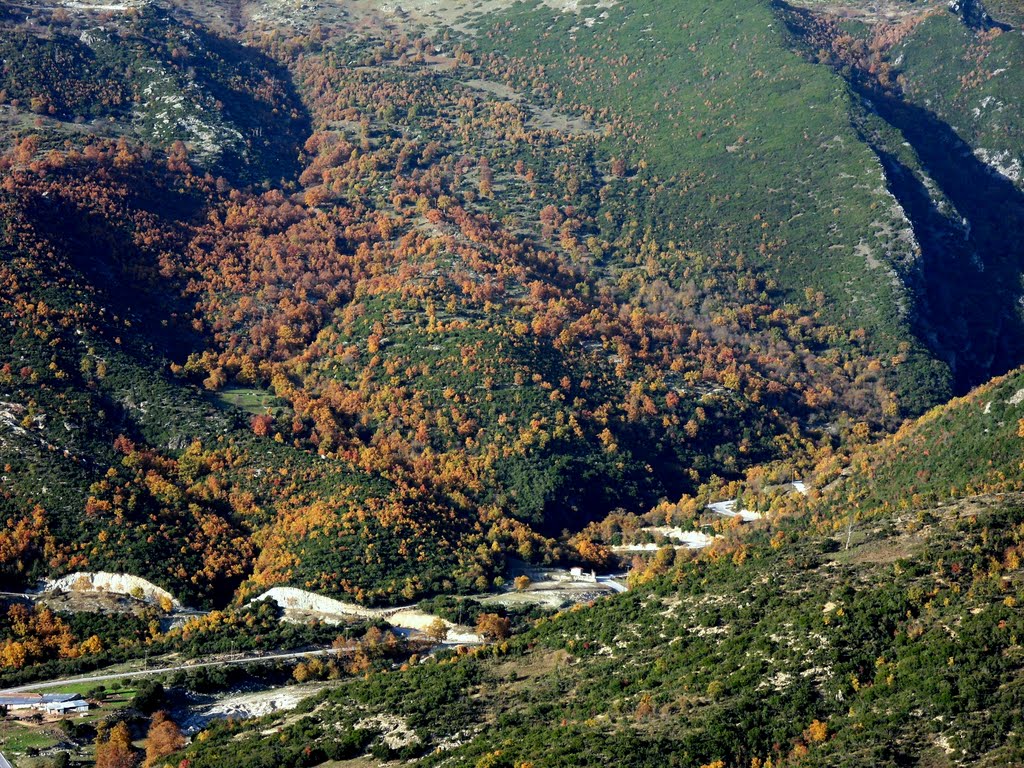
point(99, 678)
point(609, 581)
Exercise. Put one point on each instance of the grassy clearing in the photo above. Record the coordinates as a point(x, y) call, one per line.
point(84, 688)
point(17, 737)
point(249, 399)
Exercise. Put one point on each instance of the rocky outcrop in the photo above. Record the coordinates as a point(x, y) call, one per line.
point(111, 583)
point(328, 609)
point(292, 599)
point(973, 14)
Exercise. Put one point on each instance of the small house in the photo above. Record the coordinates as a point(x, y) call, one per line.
point(578, 574)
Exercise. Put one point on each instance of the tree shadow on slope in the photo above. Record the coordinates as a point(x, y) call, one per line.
point(274, 130)
point(126, 278)
point(967, 282)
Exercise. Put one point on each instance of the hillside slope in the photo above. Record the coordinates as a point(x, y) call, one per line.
point(788, 642)
point(972, 445)
point(738, 146)
point(472, 290)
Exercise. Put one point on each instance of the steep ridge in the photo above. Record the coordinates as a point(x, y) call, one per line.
point(963, 198)
point(156, 75)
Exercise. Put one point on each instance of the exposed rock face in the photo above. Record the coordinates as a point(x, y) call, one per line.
point(972, 13)
point(249, 704)
point(290, 598)
point(113, 583)
point(395, 731)
point(329, 609)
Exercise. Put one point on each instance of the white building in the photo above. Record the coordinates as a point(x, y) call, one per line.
point(66, 707)
point(51, 703)
point(578, 574)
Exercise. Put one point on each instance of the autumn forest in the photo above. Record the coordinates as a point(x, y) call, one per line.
point(398, 304)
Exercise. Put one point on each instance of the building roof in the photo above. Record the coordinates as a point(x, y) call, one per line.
point(64, 705)
point(35, 700)
point(54, 697)
point(3, 762)
point(20, 701)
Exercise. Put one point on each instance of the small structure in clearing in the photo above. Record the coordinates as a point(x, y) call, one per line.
point(51, 703)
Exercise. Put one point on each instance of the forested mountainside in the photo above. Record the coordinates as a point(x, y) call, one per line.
point(406, 302)
point(477, 286)
point(474, 279)
point(888, 637)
